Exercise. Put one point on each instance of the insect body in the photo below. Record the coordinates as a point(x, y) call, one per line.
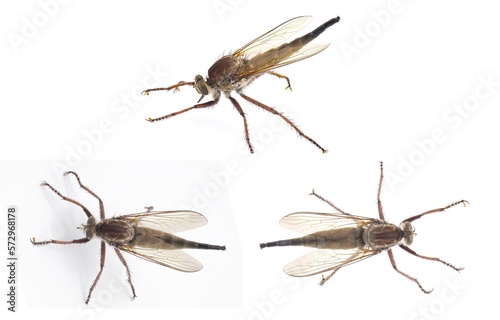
point(147, 235)
point(234, 72)
point(343, 239)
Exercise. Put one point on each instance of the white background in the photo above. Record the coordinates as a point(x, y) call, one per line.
point(411, 68)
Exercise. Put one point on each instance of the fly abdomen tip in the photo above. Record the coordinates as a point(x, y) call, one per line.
point(215, 247)
point(331, 22)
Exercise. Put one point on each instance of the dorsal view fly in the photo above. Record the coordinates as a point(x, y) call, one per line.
point(234, 72)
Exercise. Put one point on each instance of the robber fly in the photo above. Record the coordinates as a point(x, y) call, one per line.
point(147, 235)
point(343, 239)
point(234, 72)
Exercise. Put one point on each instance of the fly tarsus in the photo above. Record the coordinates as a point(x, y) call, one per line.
point(147, 91)
point(313, 193)
point(175, 87)
point(407, 249)
point(289, 86)
point(325, 279)
point(393, 263)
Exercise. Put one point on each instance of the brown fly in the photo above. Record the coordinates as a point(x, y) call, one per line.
point(234, 72)
point(147, 235)
point(344, 239)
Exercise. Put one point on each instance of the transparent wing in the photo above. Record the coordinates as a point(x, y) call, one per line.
point(323, 260)
point(310, 222)
point(168, 221)
point(273, 38)
point(175, 259)
point(273, 60)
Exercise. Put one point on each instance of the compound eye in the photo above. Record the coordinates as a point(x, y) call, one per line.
point(200, 85)
point(89, 233)
point(408, 240)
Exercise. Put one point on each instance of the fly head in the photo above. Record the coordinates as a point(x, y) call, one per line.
point(408, 232)
point(201, 86)
point(89, 228)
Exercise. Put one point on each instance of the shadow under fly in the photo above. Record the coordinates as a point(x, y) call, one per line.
point(147, 235)
point(344, 239)
point(234, 72)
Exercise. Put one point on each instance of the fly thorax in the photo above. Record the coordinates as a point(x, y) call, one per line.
point(382, 235)
point(408, 232)
point(115, 231)
point(226, 67)
point(225, 72)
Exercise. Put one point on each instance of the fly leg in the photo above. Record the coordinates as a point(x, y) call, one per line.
point(279, 114)
point(379, 203)
point(103, 257)
point(325, 279)
point(245, 124)
point(87, 211)
point(289, 86)
point(175, 87)
point(393, 262)
point(197, 106)
point(418, 216)
point(129, 277)
point(407, 249)
point(313, 193)
point(38, 243)
point(101, 204)
point(353, 258)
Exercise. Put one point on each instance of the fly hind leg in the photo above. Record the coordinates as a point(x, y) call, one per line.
point(325, 279)
point(313, 193)
point(129, 277)
point(379, 203)
point(279, 114)
point(289, 86)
